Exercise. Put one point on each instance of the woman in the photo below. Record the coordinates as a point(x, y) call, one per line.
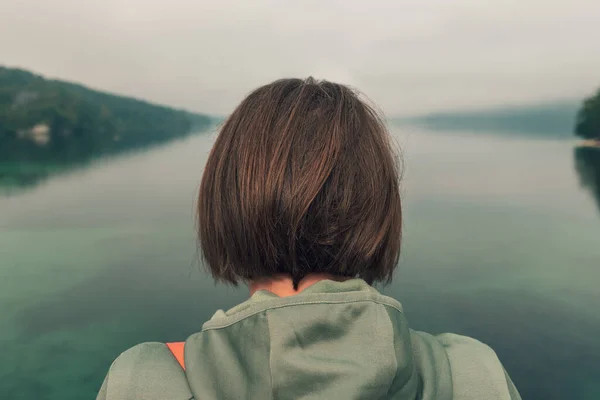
point(300, 201)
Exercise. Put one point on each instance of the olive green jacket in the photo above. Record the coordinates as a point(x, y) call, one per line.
point(334, 340)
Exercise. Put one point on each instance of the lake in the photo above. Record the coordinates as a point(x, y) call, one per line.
point(501, 242)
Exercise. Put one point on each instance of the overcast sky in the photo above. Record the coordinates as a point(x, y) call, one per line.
point(409, 56)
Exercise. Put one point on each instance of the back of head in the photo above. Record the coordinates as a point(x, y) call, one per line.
point(302, 179)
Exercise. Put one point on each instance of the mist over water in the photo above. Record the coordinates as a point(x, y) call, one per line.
point(501, 242)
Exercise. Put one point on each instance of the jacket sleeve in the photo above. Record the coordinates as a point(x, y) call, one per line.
point(477, 373)
point(147, 371)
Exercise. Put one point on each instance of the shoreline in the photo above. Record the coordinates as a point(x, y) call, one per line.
point(590, 143)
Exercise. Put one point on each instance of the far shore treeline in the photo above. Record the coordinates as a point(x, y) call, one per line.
point(51, 121)
point(557, 119)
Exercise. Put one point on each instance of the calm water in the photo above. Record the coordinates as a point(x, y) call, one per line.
point(502, 242)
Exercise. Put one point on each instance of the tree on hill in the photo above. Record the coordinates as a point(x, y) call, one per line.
point(588, 118)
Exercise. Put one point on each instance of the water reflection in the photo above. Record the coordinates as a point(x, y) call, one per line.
point(19, 176)
point(587, 164)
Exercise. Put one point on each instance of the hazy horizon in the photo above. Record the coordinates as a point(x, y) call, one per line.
point(410, 57)
point(500, 107)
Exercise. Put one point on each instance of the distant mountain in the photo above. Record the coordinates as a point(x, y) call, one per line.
point(555, 119)
point(49, 120)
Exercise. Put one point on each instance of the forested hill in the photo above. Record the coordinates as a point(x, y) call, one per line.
point(50, 120)
point(555, 119)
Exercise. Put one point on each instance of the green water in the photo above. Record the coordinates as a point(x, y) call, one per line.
point(501, 242)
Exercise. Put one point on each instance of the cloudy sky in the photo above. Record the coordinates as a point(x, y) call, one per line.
point(409, 56)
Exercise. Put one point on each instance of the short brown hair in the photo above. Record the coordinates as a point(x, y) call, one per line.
point(302, 179)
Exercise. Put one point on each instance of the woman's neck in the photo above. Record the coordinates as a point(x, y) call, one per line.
point(283, 285)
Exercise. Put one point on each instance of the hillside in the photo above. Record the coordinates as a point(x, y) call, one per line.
point(45, 120)
point(588, 118)
point(541, 120)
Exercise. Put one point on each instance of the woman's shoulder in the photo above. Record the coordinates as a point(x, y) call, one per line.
point(145, 371)
point(476, 370)
point(143, 355)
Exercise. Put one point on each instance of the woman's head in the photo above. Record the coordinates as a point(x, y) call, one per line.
point(302, 179)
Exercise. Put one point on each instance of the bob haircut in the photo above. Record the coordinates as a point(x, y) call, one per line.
point(302, 179)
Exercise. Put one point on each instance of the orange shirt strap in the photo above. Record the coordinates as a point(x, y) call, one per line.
point(177, 348)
